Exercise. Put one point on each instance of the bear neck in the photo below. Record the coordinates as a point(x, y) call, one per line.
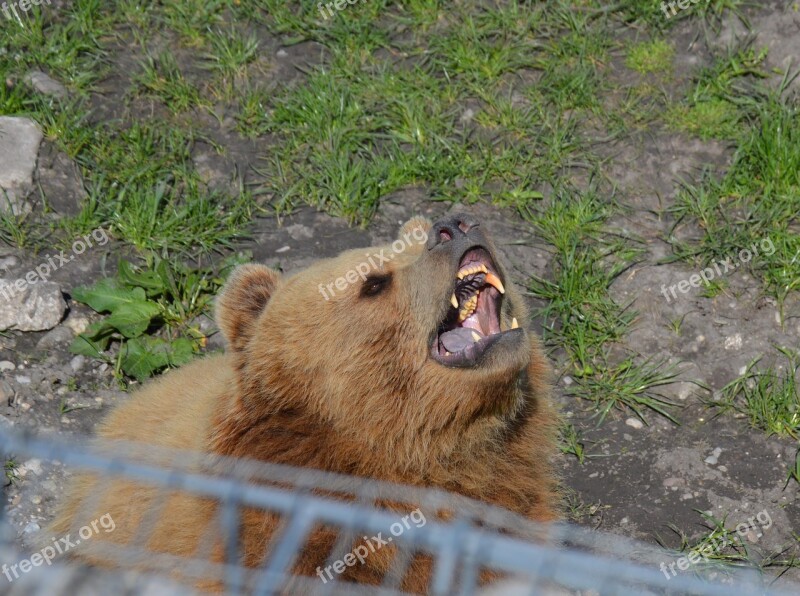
point(276, 429)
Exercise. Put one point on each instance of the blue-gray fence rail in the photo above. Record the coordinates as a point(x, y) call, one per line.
point(539, 559)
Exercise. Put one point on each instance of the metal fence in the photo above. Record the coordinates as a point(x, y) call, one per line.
point(462, 537)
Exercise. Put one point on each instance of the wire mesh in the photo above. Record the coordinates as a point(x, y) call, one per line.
point(463, 541)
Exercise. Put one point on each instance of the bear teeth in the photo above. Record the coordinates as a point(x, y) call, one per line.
point(470, 270)
point(490, 278)
point(468, 308)
point(493, 280)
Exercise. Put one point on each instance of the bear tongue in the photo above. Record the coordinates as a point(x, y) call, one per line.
point(458, 339)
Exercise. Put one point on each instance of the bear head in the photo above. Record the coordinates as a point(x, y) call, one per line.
point(414, 347)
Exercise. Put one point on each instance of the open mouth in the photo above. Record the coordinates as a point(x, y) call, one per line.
point(472, 323)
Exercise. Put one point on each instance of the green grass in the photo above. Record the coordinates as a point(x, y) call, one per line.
point(769, 397)
point(507, 103)
point(582, 319)
point(11, 470)
point(571, 442)
point(755, 202)
point(162, 79)
point(720, 549)
point(651, 57)
point(722, 97)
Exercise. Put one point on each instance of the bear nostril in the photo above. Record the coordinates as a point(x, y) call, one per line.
point(444, 236)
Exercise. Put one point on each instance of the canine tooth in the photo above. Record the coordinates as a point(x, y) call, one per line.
point(454, 300)
point(514, 324)
point(493, 280)
point(475, 336)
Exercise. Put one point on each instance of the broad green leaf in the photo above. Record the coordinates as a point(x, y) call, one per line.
point(93, 347)
point(140, 358)
point(106, 295)
point(182, 351)
point(133, 318)
point(144, 356)
point(149, 280)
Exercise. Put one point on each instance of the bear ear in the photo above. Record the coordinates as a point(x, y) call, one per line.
point(416, 228)
point(242, 300)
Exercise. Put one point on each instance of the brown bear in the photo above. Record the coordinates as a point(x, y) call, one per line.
point(406, 363)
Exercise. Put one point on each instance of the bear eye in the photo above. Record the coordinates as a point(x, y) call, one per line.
point(375, 284)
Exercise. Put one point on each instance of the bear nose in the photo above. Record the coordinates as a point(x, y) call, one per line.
point(450, 227)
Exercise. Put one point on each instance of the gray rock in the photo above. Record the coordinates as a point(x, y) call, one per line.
point(300, 232)
point(31, 528)
point(44, 84)
point(19, 147)
point(8, 263)
point(59, 335)
point(30, 307)
point(77, 363)
point(6, 393)
point(7, 366)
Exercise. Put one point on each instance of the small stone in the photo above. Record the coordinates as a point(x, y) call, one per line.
point(283, 249)
point(19, 148)
point(44, 84)
point(734, 342)
point(31, 528)
point(8, 263)
point(300, 232)
point(36, 499)
point(281, 53)
point(634, 423)
point(467, 116)
point(55, 337)
point(102, 368)
point(33, 465)
point(567, 380)
point(77, 324)
point(23, 379)
point(77, 363)
point(714, 457)
point(722, 468)
point(7, 366)
point(6, 393)
point(30, 307)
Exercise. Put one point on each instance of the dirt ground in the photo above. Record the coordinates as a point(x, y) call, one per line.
point(638, 479)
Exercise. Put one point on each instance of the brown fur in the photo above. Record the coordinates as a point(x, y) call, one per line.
point(343, 385)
